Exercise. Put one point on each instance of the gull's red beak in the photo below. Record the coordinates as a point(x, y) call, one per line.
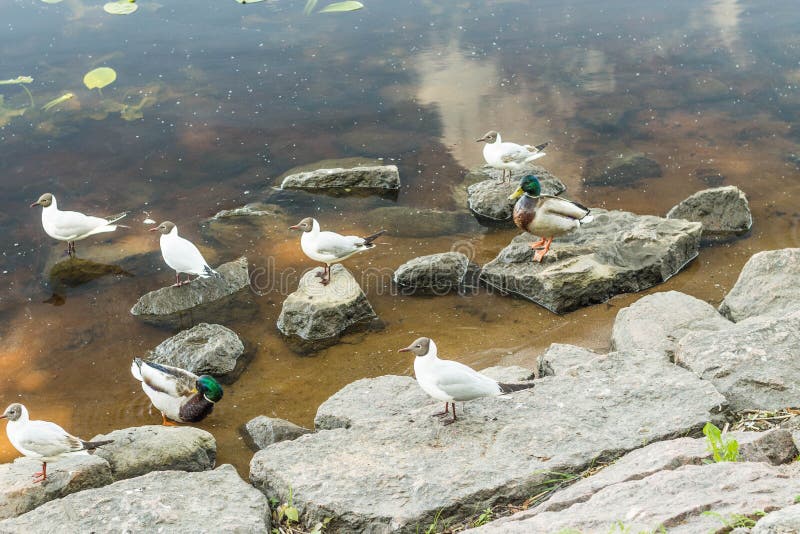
point(153, 229)
point(35, 204)
point(294, 227)
point(407, 349)
point(3, 416)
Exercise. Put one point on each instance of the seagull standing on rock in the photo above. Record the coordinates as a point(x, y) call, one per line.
point(71, 226)
point(509, 156)
point(181, 254)
point(450, 381)
point(330, 247)
point(42, 440)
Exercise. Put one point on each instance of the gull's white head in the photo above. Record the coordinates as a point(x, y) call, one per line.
point(45, 201)
point(14, 412)
point(165, 227)
point(489, 137)
point(421, 347)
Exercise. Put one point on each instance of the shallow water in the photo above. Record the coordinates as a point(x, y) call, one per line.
point(232, 96)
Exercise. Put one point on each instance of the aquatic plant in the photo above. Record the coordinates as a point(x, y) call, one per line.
point(6, 114)
point(121, 7)
point(56, 101)
point(21, 81)
point(336, 7)
point(99, 78)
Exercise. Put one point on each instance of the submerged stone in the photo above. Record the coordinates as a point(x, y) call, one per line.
point(404, 221)
point(620, 169)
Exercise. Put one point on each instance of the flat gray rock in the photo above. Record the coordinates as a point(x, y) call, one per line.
point(263, 431)
point(169, 501)
point(488, 199)
point(142, 449)
point(366, 177)
point(675, 499)
point(560, 359)
point(438, 274)
point(315, 312)
point(619, 169)
point(769, 284)
point(201, 299)
point(657, 322)
point(723, 211)
point(499, 451)
point(618, 252)
point(204, 349)
point(784, 521)
point(753, 363)
point(18, 493)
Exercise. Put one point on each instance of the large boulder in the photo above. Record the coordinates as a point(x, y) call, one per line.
point(501, 450)
point(723, 211)
point(769, 284)
point(686, 500)
point(19, 494)
point(619, 169)
point(263, 431)
point(618, 252)
point(437, 273)
point(657, 322)
point(168, 501)
point(142, 449)
point(488, 199)
point(381, 177)
point(753, 363)
point(318, 313)
point(204, 349)
point(204, 298)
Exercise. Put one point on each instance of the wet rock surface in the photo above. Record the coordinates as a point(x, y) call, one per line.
point(315, 312)
point(263, 431)
point(500, 450)
point(723, 211)
point(204, 298)
point(487, 194)
point(18, 493)
point(364, 177)
point(437, 274)
point(211, 501)
point(620, 169)
point(769, 284)
point(618, 252)
point(203, 349)
point(142, 449)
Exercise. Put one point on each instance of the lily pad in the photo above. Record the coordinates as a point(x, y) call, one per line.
point(340, 7)
point(51, 1)
point(249, 1)
point(120, 7)
point(99, 78)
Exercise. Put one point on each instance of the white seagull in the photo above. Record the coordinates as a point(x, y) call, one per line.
point(71, 226)
point(509, 156)
point(181, 254)
point(42, 440)
point(330, 247)
point(450, 381)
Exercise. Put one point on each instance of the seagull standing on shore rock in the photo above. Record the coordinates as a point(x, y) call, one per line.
point(71, 226)
point(450, 381)
point(509, 156)
point(181, 254)
point(330, 247)
point(42, 440)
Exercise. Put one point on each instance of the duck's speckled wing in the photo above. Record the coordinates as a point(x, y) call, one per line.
point(562, 207)
point(167, 379)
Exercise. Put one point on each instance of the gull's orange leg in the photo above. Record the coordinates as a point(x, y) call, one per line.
point(540, 253)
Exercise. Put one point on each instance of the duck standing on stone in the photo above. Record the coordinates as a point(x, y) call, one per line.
point(178, 394)
point(330, 247)
point(181, 254)
point(42, 440)
point(71, 226)
point(450, 381)
point(509, 156)
point(545, 216)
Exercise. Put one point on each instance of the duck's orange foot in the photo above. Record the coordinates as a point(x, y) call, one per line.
point(538, 244)
point(539, 255)
point(167, 422)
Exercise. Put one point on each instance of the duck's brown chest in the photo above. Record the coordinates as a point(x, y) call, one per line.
point(524, 212)
point(196, 409)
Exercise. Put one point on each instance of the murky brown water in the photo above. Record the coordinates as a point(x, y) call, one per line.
point(236, 95)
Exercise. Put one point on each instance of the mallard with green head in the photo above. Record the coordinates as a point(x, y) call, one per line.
point(179, 395)
point(545, 216)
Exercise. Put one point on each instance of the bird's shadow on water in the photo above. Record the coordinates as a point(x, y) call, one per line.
point(75, 272)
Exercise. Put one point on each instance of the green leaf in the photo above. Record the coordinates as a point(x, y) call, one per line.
point(292, 514)
point(310, 5)
point(120, 7)
point(99, 78)
point(340, 7)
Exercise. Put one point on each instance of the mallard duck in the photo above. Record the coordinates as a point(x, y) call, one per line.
point(181, 254)
point(330, 247)
point(71, 226)
point(42, 440)
point(179, 395)
point(509, 156)
point(545, 215)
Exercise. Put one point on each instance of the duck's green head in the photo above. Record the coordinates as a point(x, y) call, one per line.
point(209, 387)
point(528, 184)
